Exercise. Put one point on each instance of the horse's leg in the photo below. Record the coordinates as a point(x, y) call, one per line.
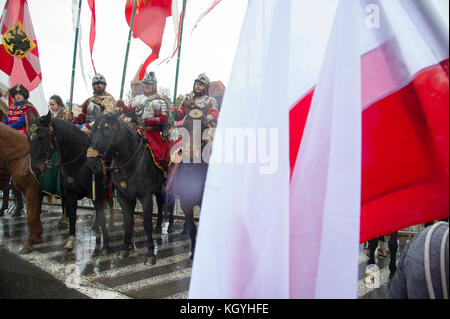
point(189, 221)
point(100, 219)
point(62, 224)
point(171, 207)
point(18, 198)
point(393, 246)
point(33, 202)
point(128, 206)
point(5, 202)
point(147, 205)
point(110, 201)
point(373, 243)
point(71, 208)
point(159, 202)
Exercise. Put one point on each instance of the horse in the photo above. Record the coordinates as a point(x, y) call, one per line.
point(133, 171)
point(187, 178)
point(14, 164)
point(17, 198)
point(50, 135)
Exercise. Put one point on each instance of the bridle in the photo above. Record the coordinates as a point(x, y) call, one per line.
point(93, 153)
point(53, 146)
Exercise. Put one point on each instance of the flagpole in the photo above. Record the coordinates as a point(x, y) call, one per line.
point(178, 58)
point(74, 56)
point(128, 49)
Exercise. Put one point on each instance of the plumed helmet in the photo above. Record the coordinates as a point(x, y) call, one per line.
point(19, 88)
point(203, 79)
point(98, 78)
point(150, 79)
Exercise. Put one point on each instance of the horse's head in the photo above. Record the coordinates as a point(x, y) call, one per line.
point(105, 136)
point(42, 144)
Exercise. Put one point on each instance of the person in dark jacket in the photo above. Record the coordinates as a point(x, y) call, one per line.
point(422, 271)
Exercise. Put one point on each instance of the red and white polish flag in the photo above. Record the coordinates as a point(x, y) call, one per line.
point(19, 55)
point(360, 91)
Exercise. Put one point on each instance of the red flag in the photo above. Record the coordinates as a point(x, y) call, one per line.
point(19, 55)
point(149, 24)
point(405, 143)
point(19, 62)
point(92, 33)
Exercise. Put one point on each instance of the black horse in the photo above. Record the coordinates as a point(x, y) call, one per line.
point(134, 173)
point(53, 135)
point(187, 178)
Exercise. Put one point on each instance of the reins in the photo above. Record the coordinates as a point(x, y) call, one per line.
point(18, 158)
point(52, 138)
point(113, 167)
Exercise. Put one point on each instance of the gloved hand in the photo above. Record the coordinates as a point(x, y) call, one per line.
point(152, 121)
point(136, 120)
point(120, 104)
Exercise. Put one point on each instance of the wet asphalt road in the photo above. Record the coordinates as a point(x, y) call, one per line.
point(90, 272)
point(20, 279)
point(50, 271)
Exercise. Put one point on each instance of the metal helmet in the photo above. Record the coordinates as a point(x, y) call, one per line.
point(150, 79)
point(203, 79)
point(98, 78)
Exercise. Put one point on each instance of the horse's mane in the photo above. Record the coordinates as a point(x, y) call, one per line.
point(122, 123)
point(69, 132)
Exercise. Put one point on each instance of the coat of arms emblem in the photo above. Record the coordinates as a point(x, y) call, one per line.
point(16, 41)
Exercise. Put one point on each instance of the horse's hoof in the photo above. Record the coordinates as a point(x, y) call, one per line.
point(17, 213)
point(62, 226)
point(124, 254)
point(70, 241)
point(157, 230)
point(25, 251)
point(150, 260)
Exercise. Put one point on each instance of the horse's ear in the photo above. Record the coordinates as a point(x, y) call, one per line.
point(47, 118)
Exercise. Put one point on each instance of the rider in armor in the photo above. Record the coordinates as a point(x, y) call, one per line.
point(149, 112)
point(199, 98)
point(100, 102)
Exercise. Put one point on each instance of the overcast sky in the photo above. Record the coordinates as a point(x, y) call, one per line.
point(209, 49)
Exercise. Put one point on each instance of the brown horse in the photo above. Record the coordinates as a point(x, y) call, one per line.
point(15, 164)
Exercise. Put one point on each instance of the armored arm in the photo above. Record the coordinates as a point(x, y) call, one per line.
point(213, 112)
point(161, 115)
point(184, 108)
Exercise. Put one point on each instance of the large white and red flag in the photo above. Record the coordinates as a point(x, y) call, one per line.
point(364, 88)
point(19, 55)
